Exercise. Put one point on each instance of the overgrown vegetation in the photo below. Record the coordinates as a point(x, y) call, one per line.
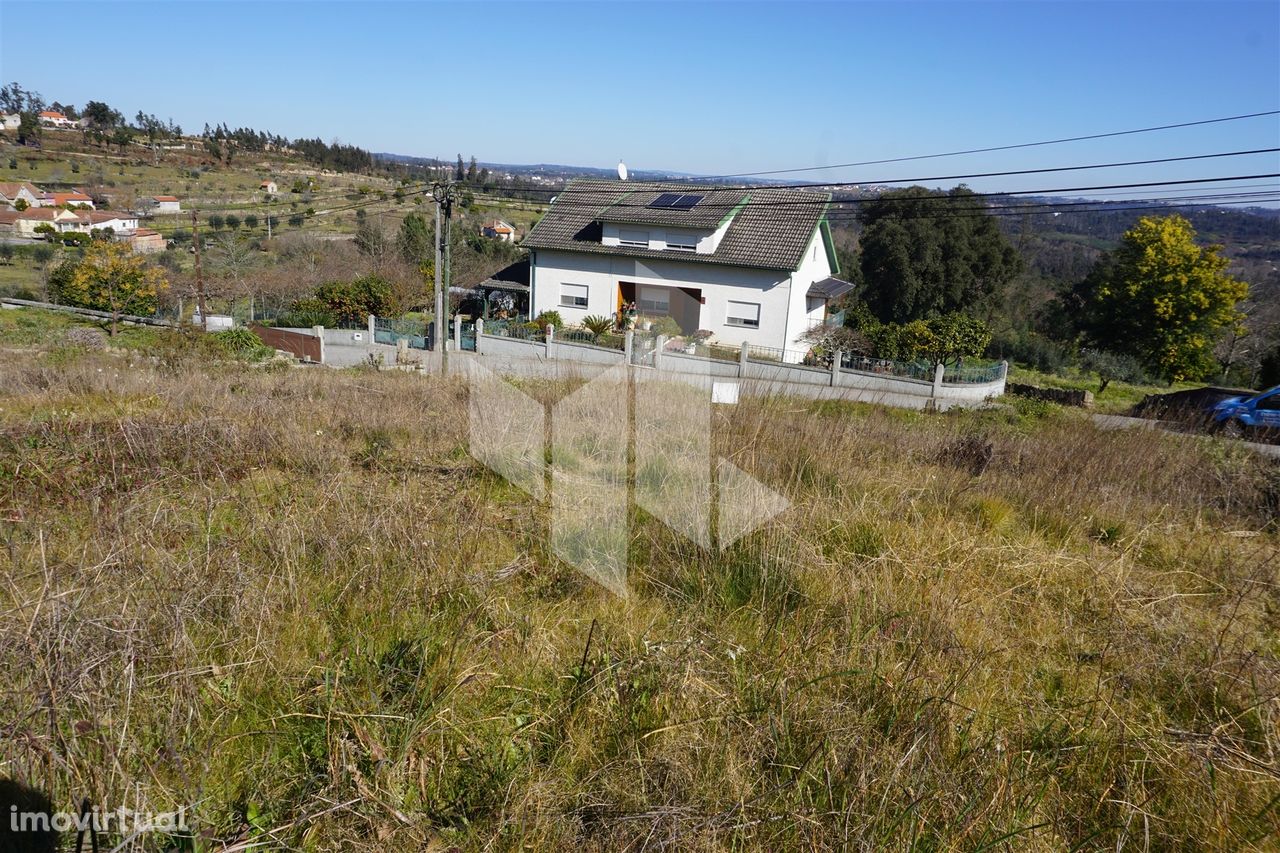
point(292, 603)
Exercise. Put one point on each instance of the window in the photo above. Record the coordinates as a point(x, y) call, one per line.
point(636, 239)
point(682, 242)
point(743, 314)
point(1270, 404)
point(573, 296)
point(654, 300)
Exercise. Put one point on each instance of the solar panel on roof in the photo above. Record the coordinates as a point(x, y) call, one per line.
point(685, 202)
point(665, 200)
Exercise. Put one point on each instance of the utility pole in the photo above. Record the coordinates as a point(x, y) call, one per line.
point(443, 194)
point(195, 241)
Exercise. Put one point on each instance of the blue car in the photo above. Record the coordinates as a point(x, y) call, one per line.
point(1236, 416)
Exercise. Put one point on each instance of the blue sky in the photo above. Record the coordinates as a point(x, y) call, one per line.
point(711, 88)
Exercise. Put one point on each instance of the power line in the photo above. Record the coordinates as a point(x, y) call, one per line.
point(997, 147)
point(809, 202)
point(623, 188)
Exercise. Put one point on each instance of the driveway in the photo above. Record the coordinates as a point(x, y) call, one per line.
point(1122, 422)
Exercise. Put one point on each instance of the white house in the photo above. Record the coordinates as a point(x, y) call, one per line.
point(159, 204)
point(268, 187)
point(11, 192)
point(11, 121)
point(499, 229)
point(50, 118)
point(749, 265)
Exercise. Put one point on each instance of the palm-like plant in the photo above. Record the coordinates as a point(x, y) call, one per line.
point(598, 324)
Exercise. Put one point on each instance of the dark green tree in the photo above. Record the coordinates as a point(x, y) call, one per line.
point(460, 172)
point(471, 170)
point(927, 253)
point(416, 240)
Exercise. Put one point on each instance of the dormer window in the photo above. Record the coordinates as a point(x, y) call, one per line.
point(634, 239)
point(682, 242)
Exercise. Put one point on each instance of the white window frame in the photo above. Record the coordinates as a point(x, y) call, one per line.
point(569, 297)
point(682, 242)
point(739, 314)
point(628, 237)
point(648, 306)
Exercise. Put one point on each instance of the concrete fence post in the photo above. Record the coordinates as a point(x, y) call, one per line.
point(318, 331)
point(551, 337)
point(659, 347)
point(479, 332)
point(1004, 370)
point(835, 368)
point(742, 359)
point(457, 334)
point(628, 341)
point(373, 327)
point(938, 371)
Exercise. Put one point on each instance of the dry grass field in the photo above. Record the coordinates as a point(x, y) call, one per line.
point(291, 602)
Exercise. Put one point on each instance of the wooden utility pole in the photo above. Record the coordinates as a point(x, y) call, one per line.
point(195, 241)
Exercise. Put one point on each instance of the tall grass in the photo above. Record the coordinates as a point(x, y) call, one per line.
point(292, 603)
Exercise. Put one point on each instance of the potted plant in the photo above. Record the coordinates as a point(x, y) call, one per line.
point(629, 312)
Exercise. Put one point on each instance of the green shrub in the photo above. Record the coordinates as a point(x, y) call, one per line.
point(548, 318)
point(242, 344)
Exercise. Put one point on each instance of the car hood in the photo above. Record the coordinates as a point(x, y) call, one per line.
point(1229, 403)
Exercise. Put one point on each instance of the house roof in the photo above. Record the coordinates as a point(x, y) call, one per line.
point(146, 232)
point(829, 288)
point(63, 198)
point(11, 189)
point(513, 277)
point(264, 183)
point(164, 198)
point(35, 213)
point(771, 228)
point(50, 114)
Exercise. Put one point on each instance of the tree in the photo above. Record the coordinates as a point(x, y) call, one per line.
point(926, 253)
point(233, 258)
point(373, 242)
point(416, 240)
point(1159, 298)
point(471, 170)
point(350, 303)
point(233, 221)
point(251, 221)
point(112, 278)
point(155, 129)
point(28, 128)
point(460, 171)
point(21, 205)
point(216, 221)
point(122, 136)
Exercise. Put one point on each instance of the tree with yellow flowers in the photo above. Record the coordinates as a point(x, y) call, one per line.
point(1160, 298)
point(110, 277)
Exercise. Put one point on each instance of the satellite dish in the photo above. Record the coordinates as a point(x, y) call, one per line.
point(622, 171)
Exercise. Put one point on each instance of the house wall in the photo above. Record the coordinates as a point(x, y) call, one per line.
point(167, 207)
point(804, 313)
point(772, 290)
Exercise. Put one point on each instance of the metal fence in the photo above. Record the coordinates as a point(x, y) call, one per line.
point(388, 330)
point(643, 346)
point(887, 367)
point(972, 375)
point(517, 330)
